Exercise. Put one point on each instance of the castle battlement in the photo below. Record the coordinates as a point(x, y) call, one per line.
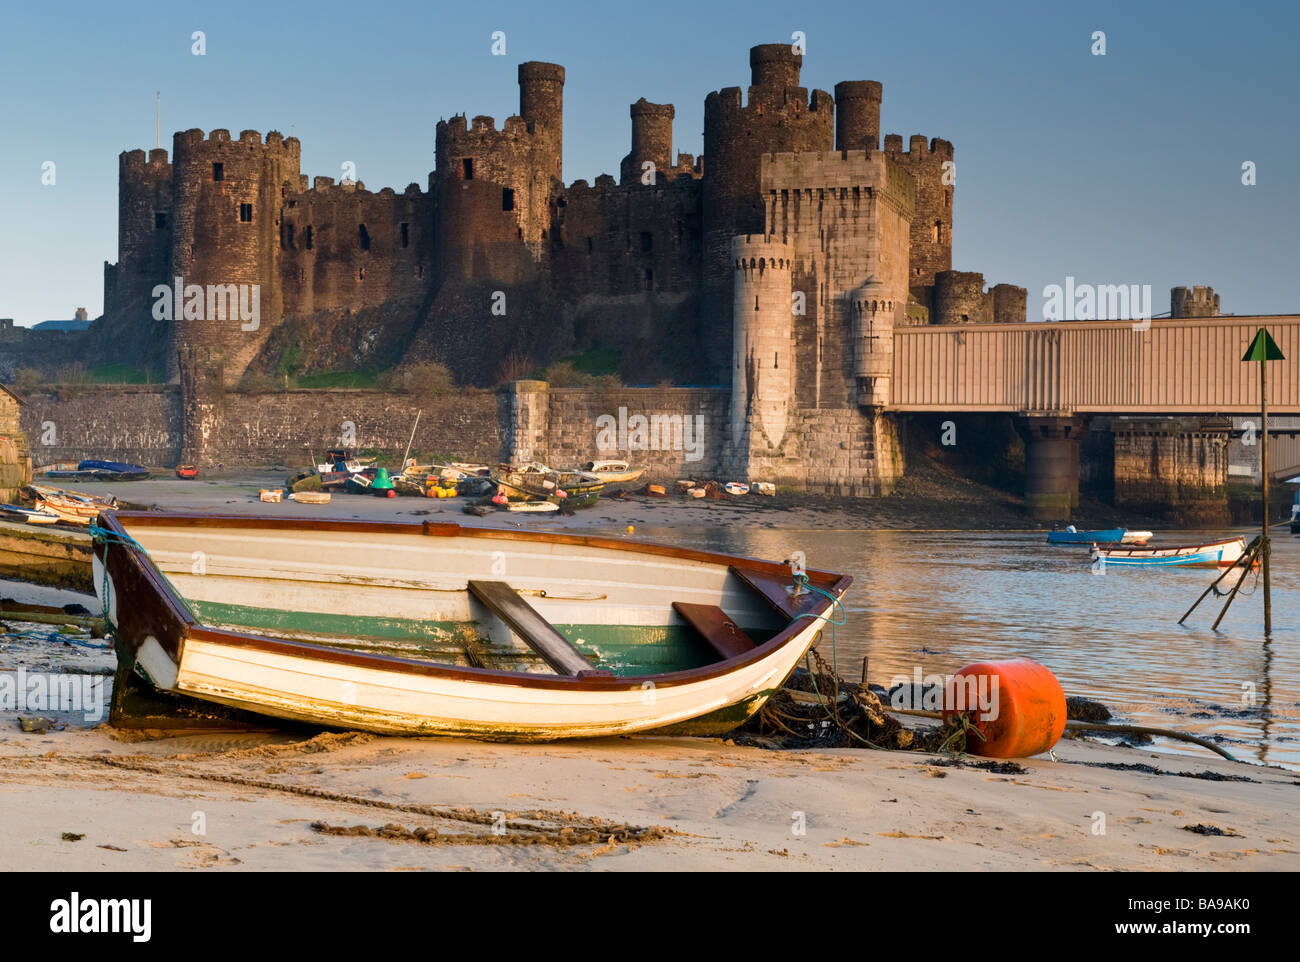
point(671, 179)
point(918, 147)
point(760, 252)
point(481, 136)
point(1199, 301)
point(276, 143)
point(821, 168)
point(727, 102)
point(136, 162)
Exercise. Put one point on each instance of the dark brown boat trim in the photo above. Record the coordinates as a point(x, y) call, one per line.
point(836, 584)
point(448, 529)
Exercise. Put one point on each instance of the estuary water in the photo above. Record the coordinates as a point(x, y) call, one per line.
point(938, 601)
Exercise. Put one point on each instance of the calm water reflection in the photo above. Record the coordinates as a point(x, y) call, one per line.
point(941, 600)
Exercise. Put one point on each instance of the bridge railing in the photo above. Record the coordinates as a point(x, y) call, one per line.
point(1188, 365)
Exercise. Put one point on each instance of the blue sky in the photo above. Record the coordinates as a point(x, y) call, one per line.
point(1124, 168)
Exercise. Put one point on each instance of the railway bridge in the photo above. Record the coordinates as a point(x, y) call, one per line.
point(1056, 376)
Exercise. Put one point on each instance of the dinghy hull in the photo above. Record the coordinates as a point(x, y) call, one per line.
point(259, 627)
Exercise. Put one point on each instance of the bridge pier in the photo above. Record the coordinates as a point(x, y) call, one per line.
point(1173, 468)
point(1052, 465)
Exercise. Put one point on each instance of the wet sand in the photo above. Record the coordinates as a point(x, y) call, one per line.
point(255, 799)
point(928, 499)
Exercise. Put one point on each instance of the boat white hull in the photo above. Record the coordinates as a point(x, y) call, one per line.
point(425, 578)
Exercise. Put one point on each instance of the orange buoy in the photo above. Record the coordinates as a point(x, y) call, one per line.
point(1018, 705)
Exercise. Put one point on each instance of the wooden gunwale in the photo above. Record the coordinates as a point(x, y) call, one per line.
point(176, 608)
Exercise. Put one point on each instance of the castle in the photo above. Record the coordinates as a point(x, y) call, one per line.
point(778, 263)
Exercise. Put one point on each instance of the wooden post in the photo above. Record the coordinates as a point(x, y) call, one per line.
point(1263, 463)
point(1263, 350)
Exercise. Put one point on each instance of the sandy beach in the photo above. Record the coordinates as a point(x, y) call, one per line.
point(86, 800)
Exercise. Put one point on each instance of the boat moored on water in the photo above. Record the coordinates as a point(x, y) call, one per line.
point(415, 628)
point(1213, 554)
point(1071, 535)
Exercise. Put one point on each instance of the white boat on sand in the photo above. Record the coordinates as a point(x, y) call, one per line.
point(435, 629)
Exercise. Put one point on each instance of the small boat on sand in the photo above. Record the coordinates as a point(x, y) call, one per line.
point(736, 488)
point(414, 628)
point(71, 506)
point(532, 507)
point(1213, 554)
point(114, 470)
point(12, 512)
point(95, 470)
point(614, 472)
point(187, 472)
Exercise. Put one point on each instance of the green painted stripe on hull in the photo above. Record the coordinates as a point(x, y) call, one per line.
point(623, 649)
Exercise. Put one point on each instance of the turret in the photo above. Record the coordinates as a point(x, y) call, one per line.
point(857, 114)
point(762, 363)
point(1196, 302)
point(774, 65)
point(780, 117)
point(871, 313)
point(652, 142)
point(144, 230)
point(225, 240)
point(541, 104)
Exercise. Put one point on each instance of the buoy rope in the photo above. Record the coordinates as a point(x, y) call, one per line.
point(833, 708)
point(106, 537)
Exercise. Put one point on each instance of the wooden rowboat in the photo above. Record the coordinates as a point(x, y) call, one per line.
point(614, 472)
point(70, 506)
point(1214, 554)
point(435, 629)
point(13, 512)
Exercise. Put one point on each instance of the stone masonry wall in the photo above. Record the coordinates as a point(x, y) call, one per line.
point(563, 427)
point(290, 428)
point(1173, 468)
point(145, 426)
point(139, 425)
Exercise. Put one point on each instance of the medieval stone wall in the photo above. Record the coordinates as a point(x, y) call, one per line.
point(140, 425)
point(931, 248)
point(566, 426)
point(617, 240)
point(342, 246)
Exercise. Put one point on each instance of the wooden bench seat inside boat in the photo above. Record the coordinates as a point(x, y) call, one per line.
point(538, 633)
point(775, 590)
point(723, 634)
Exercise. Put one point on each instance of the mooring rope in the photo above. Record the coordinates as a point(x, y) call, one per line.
point(106, 537)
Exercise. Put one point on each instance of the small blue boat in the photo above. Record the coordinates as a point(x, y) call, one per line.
point(115, 467)
point(1071, 536)
point(93, 469)
point(1213, 554)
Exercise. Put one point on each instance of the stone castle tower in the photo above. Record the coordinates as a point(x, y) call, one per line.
point(795, 206)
